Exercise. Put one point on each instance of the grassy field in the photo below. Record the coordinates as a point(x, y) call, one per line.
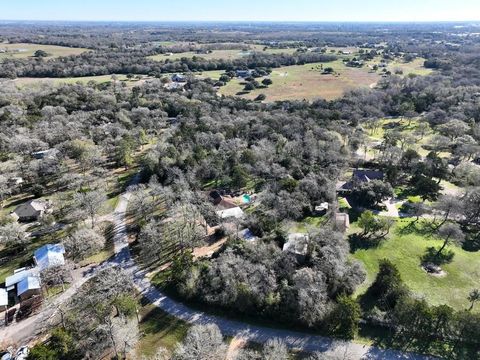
point(27, 81)
point(28, 50)
point(300, 82)
point(405, 250)
point(415, 67)
point(221, 54)
point(160, 330)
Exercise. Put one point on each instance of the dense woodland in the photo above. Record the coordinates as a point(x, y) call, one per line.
point(291, 153)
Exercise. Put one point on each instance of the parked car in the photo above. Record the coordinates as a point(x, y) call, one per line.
point(22, 353)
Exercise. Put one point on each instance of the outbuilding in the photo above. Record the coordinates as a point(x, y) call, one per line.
point(28, 287)
point(49, 256)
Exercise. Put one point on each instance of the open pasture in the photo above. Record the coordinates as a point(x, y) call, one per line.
point(306, 82)
point(22, 51)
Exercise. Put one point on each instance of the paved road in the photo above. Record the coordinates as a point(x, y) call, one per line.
point(307, 342)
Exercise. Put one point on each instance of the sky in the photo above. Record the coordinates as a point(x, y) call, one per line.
point(241, 10)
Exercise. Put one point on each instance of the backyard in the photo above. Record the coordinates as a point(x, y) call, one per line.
point(462, 275)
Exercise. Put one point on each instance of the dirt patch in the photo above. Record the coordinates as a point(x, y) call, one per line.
point(440, 273)
point(235, 346)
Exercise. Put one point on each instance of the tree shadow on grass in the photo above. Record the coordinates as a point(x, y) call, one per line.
point(358, 242)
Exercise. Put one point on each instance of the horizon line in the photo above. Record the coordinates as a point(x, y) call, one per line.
point(251, 21)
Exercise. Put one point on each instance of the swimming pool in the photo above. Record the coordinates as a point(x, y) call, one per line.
point(246, 198)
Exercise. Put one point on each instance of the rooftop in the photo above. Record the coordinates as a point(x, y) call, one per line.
point(19, 276)
point(28, 283)
point(49, 255)
point(235, 212)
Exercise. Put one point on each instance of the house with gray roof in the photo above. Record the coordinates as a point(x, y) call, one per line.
point(31, 210)
point(360, 176)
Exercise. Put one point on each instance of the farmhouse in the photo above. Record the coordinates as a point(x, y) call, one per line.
point(360, 175)
point(31, 210)
point(49, 256)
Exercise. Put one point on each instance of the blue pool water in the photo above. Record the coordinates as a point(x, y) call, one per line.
point(246, 198)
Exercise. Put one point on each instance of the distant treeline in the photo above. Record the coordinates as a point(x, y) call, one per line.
point(128, 62)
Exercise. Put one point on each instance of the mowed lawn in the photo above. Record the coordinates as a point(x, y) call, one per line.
point(159, 330)
point(299, 82)
point(21, 50)
point(462, 275)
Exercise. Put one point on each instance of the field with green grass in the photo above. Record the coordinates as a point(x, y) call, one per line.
point(404, 250)
point(221, 54)
point(160, 330)
point(100, 79)
point(299, 82)
point(21, 51)
point(414, 67)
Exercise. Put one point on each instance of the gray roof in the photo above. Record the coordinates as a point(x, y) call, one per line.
point(30, 208)
point(367, 175)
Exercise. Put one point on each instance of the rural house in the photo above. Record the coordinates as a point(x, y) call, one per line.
point(360, 176)
point(31, 210)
